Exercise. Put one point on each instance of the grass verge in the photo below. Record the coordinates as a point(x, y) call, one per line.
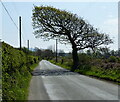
point(32, 67)
point(112, 75)
point(61, 65)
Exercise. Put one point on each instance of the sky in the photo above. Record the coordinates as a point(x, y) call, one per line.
point(102, 15)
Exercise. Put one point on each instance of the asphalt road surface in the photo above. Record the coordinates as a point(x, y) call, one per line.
point(51, 82)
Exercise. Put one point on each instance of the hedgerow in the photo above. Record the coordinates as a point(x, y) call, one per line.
point(16, 73)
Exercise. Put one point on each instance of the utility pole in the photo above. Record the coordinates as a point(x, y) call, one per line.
point(20, 30)
point(118, 27)
point(28, 44)
point(56, 50)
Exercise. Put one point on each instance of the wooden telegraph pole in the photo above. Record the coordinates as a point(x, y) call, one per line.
point(20, 31)
point(28, 44)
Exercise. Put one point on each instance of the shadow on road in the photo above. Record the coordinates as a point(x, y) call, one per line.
point(52, 72)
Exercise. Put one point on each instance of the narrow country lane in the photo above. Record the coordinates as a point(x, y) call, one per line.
point(51, 82)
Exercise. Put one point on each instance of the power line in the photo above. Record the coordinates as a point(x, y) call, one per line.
point(22, 38)
point(9, 14)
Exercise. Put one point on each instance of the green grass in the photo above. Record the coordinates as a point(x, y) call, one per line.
point(61, 65)
point(106, 74)
point(94, 71)
point(34, 66)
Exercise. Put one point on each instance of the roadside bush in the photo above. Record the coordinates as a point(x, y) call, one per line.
point(112, 59)
point(118, 59)
point(16, 73)
point(84, 59)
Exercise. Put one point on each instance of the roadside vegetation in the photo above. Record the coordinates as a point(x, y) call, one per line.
point(17, 66)
point(102, 64)
point(71, 29)
point(68, 28)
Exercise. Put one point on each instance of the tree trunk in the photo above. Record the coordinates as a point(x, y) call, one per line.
point(75, 59)
point(74, 53)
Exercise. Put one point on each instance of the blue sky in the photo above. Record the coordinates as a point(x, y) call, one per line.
point(102, 15)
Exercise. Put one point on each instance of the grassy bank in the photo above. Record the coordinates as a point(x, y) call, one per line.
point(100, 68)
point(16, 73)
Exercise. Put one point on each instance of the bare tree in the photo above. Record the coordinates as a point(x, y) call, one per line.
point(52, 23)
